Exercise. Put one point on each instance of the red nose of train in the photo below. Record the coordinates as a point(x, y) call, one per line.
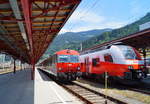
point(69, 67)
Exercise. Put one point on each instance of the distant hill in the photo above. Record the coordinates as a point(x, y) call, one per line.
point(116, 33)
point(67, 39)
point(72, 40)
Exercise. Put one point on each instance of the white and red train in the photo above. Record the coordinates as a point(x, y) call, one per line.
point(64, 65)
point(119, 61)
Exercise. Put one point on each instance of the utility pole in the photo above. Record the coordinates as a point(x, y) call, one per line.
point(81, 47)
point(106, 86)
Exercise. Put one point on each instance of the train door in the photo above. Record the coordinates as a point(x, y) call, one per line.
point(87, 64)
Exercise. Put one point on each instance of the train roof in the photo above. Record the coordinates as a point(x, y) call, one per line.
point(67, 52)
point(102, 48)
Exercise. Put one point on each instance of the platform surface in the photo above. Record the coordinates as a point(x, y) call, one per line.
point(17, 88)
point(20, 89)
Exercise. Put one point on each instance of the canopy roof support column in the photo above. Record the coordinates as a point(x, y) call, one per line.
point(27, 6)
point(33, 72)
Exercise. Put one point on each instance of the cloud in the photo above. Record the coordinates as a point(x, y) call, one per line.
point(83, 21)
point(112, 24)
point(63, 30)
point(84, 16)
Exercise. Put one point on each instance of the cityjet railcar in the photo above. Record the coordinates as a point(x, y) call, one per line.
point(119, 61)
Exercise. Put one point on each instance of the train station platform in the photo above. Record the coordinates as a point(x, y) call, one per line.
point(20, 89)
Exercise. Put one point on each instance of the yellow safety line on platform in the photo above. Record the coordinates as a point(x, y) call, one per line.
point(5, 72)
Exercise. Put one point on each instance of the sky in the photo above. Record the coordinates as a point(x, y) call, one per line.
point(100, 14)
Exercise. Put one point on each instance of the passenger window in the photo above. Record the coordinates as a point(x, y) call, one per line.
point(95, 61)
point(108, 58)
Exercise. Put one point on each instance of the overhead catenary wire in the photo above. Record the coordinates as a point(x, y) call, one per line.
point(84, 12)
point(95, 3)
point(80, 12)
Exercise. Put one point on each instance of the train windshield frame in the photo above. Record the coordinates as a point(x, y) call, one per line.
point(128, 52)
point(68, 58)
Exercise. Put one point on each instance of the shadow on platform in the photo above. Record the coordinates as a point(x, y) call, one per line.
point(17, 88)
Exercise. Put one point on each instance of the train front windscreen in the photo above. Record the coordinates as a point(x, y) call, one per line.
point(68, 58)
point(128, 52)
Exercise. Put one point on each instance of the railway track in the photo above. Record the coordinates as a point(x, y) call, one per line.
point(90, 96)
point(144, 89)
point(87, 95)
point(141, 89)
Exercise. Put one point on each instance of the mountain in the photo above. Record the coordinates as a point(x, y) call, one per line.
point(116, 33)
point(68, 39)
point(72, 40)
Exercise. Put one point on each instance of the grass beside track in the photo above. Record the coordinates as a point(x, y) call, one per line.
point(127, 93)
point(134, 95)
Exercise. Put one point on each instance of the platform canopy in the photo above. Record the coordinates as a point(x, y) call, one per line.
point(27, 27)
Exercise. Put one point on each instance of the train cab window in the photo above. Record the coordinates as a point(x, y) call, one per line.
point(74, 58)
point(63, 58)
point(129, 52)
point(108, 58)
point(95, 61)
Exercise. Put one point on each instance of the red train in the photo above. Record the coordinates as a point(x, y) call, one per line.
point(119, 61)
point(64, 65)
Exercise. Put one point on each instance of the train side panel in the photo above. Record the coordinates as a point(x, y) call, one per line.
point(64, 64)
point(113, 62)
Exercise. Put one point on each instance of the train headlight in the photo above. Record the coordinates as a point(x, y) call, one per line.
point(59, 68)
point(130, 67)
point(69, 64)
point(78, 68)
point(141, 67)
